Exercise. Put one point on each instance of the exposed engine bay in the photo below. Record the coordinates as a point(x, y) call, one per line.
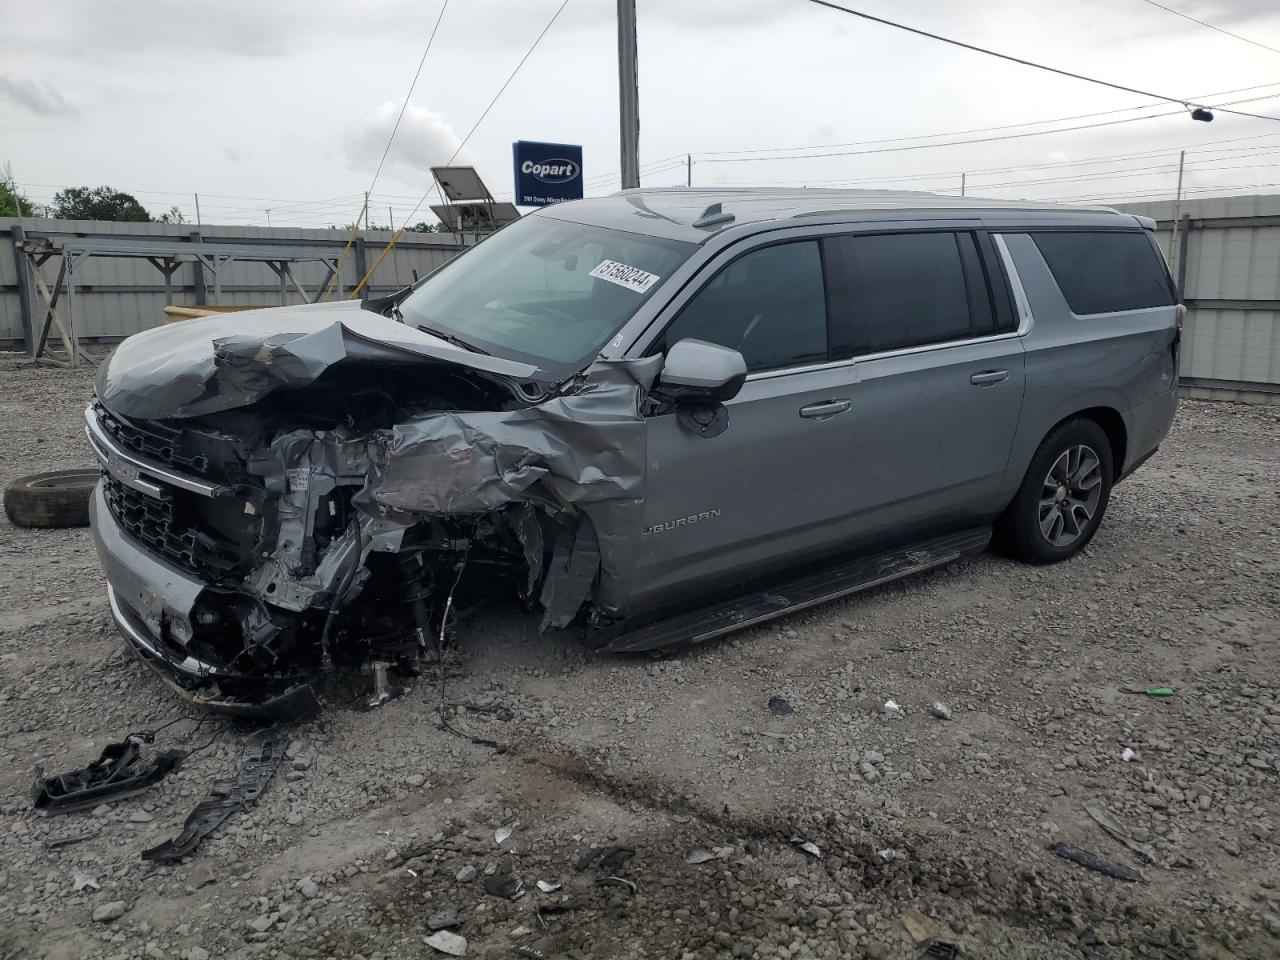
point(276, 505)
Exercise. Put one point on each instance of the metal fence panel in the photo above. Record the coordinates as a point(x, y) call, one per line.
point(1231, 287)
point(116, 297)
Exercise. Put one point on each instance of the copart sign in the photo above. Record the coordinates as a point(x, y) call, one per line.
point(546, 173)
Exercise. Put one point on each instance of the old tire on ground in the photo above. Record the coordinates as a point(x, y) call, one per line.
point(58, 498)
point(1063, 496)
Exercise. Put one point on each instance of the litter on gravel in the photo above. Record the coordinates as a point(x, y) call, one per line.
point(447, 943)
point(504, 885)
point(808, 846)
point(940, 710)
point(1112, 826)
point(780, 707)
point(1094, 862)
point(617, 881)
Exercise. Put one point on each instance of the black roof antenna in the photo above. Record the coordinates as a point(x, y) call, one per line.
point(713, 217)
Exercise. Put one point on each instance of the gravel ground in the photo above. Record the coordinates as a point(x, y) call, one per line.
point(927, 828)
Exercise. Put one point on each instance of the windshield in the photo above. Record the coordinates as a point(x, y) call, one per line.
point(544, 291)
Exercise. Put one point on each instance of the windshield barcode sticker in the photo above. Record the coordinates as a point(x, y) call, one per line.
point(633, 278)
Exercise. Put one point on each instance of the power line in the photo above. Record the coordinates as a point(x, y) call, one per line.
point(1006, 126)
point(1187, 16)
point(1089, 161)
point(1026, 63)
point(404, 106)
point(435, 184)
point(506, 83)
point(953, 143)
point(364, 209)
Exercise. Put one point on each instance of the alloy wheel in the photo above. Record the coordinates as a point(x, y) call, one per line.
point(1070, 495)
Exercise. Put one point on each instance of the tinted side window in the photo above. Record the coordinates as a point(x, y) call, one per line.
point(769, 304)
point(1104, 271)
point(903, 290)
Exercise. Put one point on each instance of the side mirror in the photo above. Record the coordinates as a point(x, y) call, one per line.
point(697, 370)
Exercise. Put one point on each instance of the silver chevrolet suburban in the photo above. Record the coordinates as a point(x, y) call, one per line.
point(657, 416)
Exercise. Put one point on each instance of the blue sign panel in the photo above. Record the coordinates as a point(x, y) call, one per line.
point(546, 173)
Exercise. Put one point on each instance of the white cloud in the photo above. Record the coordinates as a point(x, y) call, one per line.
point(425, 139)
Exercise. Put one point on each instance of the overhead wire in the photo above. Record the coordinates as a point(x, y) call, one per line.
point(1233, 153)
point(702, 158)
point(435, 185)
point(1005, 126)
point(1210, 26)
point(1185, 102)
point(355, 227)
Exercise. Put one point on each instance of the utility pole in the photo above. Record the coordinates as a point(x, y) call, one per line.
point(197, 196)
point(268, 209)
point(366, 209)
point(628, 95)
point(962, 177)
point(391, 217)
point(688, 170)
point(1177, 213)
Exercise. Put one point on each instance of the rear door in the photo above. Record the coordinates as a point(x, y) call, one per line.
point(928, 318)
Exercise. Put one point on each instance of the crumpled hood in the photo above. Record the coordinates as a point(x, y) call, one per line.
point(197, 367)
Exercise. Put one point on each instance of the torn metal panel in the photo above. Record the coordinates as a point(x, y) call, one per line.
point(581, 452)
point(575, 561)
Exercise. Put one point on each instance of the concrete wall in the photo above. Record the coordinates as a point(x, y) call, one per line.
point(116, 297)
point(1227, 254)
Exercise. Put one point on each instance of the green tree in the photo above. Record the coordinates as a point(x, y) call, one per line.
point(98, 203)
point(174, 215)
point(12, 203)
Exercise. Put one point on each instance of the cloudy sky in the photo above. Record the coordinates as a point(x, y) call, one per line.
point(285, 105)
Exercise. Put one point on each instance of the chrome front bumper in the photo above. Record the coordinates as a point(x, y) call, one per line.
point(152, 602)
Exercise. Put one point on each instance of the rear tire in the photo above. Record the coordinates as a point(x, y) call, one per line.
point(58, 498)
point(1063, 496)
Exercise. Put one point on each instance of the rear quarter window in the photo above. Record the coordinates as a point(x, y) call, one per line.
point(1102, 272)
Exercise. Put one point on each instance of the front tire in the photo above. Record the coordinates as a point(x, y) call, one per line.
point(1063, 496)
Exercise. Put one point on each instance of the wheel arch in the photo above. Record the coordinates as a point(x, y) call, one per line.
point(1112, 423)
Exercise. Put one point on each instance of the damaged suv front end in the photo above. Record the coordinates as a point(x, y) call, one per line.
point(295, 489)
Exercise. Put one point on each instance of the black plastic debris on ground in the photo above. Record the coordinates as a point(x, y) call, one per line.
point(263, 753)
point(1094, 862)
point(504, 885)
point(781, 707)
point(605, 859)
point(938, 950)
point(118, 772)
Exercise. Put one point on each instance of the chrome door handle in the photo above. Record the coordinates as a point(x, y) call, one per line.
point(988, 378)
point(828, 408)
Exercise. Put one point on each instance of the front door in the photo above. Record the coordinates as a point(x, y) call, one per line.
point(773, 484)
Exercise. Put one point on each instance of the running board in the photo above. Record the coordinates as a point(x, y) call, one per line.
point(840, 580)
